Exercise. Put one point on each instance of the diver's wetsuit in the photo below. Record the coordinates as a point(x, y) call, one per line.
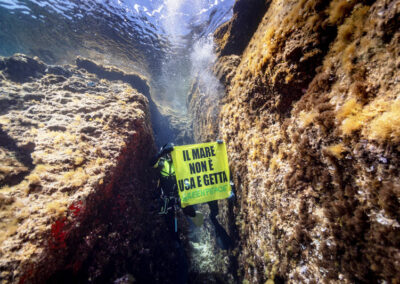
point(163, 162)
point(168, 182)
point(168, 189)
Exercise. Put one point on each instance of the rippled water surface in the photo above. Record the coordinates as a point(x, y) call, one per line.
point(168, 41)
point(141, 35)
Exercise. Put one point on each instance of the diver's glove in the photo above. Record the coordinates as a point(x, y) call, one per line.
point(154, 160)
point(198, 219)
point(232, 196)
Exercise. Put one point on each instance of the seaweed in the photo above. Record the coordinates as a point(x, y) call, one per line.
point(388, 199)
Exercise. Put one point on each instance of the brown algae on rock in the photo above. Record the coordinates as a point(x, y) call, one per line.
point(310, 116)
point(70, 143)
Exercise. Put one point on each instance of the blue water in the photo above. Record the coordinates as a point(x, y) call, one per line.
point(141, 35)
point(166, 40)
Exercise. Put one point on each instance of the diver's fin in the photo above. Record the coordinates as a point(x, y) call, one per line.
point(198, 219)
point(223, 239)
point(181, 276)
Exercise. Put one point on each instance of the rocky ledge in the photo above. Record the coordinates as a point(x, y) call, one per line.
point(74, 198)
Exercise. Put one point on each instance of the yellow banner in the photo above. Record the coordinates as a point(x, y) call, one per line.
point(202, 172)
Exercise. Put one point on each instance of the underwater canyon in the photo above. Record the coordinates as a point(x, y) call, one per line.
point(305, 94)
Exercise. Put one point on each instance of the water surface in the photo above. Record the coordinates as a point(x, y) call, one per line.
point(154, 37)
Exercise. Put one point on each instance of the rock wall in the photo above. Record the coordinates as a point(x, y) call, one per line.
point(168, 126)
point(75, 195)
point(311, 119)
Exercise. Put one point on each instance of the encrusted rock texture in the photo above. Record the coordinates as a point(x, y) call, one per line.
point(75, 192)
point(311, 117)
point(208, 262)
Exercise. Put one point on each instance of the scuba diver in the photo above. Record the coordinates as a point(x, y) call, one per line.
point(167, 186)
point(169, 195)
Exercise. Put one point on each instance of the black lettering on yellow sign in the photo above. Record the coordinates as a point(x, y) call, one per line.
point(207, 179)
point(186, 184)
point(199, 181)
point(198, 167)
point(186, 155)
point(201, 172)
point(215, 178)
point(210, 165)
point(204, 152)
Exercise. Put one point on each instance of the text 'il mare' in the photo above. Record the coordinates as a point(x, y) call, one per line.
point(199, 153)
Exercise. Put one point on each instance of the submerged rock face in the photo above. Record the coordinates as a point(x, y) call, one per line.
point(311, 118)
point(233, 36)
point(75, 190)
point(168, 126)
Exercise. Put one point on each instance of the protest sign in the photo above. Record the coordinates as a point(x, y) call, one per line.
point(202, 172)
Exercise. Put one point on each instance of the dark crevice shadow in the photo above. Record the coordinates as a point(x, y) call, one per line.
point(208, 277)
point(23, 155)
